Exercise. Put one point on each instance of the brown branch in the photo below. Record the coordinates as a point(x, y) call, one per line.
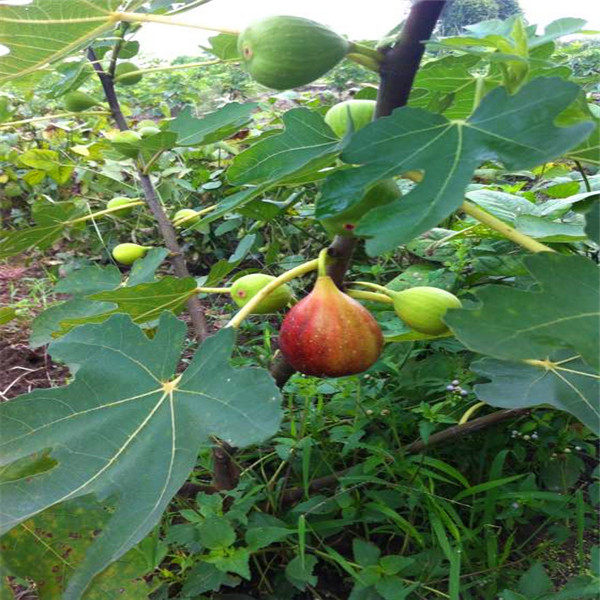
point(164, 224)
point(401, 63)
point(452, 433)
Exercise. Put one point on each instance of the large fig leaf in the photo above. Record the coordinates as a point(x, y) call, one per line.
point(48, 547)
point(563, 313)
point(127, 429)
point(517, 130)
point(306, 144)
point(44, 31)
point(567, 383)
point(212, 127)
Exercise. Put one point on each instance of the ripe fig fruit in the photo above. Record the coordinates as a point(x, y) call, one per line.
point(422, 308)
point(79, 101)
point(344, 223)
point(357, 112)
point(246, 287)
point(329, 334)
point(187, 212)
point(128, 253)
point(287, 52)
point(127, 67)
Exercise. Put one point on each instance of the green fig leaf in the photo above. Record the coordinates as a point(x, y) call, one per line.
point(571, 386)
point(44, 31)
point(514, 324)
point(7, 314)
point(48, 547)
point(126, 408)
point(224, 46)
point(213, 127)
point(306, 143)
point(51, 220)
point(517, 130)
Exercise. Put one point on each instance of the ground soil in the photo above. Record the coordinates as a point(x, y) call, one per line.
point(21, 368)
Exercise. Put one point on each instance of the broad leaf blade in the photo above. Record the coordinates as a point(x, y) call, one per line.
point(306, 141)
point(516, 324)
point(212, 127)
point(46, 30)
point(124, 411)
point(517, 130)
point(572, 386)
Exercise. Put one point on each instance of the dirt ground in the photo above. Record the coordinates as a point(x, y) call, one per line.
point(21, 368)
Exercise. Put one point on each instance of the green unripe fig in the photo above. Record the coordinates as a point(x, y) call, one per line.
point(146, 123)
point(246, 287)
point(148, 131)
point(184, 213)
point(344, 223)
point(128, 253)
point(287, 52)
point(127, 142)
point(422, 308)
point(121, 201)
point(122, 69)
point(79, 101)
point(357, 112)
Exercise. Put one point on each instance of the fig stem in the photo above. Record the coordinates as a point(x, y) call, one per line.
point(55, 116)
point(375, 286)
point(506, 230)
point(213, 290)
point(106, 211)
point(360, 295)
point(469, 413)
point(192, 65)
point(302, 269)
point(322, 268)
point(365, 61)
point(356, 48)
point(130, 17)
point(199, 213)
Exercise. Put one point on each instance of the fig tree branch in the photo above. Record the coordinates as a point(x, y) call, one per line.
point(165, 226)
point(401, 63)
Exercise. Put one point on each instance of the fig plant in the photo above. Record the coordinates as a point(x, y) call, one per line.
point(111, 449)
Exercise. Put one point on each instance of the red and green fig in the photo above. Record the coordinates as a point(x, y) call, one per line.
point(246, 287)
point(128, 253)
point(329, 334)
point(287, 52)
point(345, 223)
point(423, 308)
point(356, 112)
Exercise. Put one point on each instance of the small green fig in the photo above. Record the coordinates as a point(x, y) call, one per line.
point(146, 123)
point(128, 253)
point(79, 101)
point(124, 202)
point(423, 308)
point(344, 223)
point(357, 112)
point(246, 287)
point(122, 69)
point(286, 52)
point(127, 142)
point(184, 213)
point(148, 131)
point(329, 334)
